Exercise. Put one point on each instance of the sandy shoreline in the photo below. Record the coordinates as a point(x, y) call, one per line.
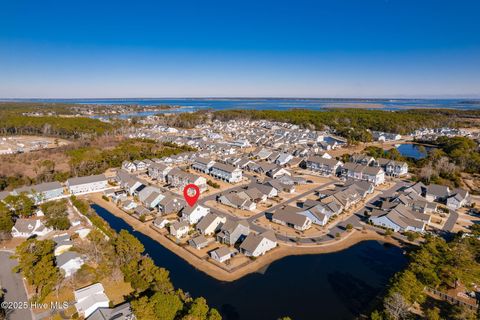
point(223, 275)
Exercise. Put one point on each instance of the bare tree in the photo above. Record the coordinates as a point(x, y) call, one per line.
point(396, 306)
point(426, 172)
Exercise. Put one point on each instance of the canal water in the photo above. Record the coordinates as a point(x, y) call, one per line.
point(338, 285)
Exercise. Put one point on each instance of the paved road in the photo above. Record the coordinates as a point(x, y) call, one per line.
point(450, 223)
point(356, 220)
point(12, 283)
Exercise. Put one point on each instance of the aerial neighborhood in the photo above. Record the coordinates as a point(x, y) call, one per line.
point(264, 187)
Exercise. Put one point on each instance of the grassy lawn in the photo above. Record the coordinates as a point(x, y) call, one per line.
point(116, 291)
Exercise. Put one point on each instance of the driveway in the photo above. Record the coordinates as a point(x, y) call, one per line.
point(12, 284)
point(450, 223)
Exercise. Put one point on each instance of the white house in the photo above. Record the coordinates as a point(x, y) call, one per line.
point(290, 217)
point(87, 184)
point(283, 159)
point(317, 217)
point(62, 244)
point(161, 222)
point(221, 254)
point(226, 172)
point(203, 164)
point(211, 223)
point(129, 166)
point(70, 262)
point(179, 229)
point(258, 244)
point(194, 214)
point(396, 222)
point(25, 228)
point(90, 298)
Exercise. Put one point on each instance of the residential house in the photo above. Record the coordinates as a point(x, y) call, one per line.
point(317, 214)
point(180, 179)
point(62, 244)
point(458, 198)
point(90, 298)
point(170, 204)
point(129, 205)
point(290, 217)
point(87, 184)
point(194, 214)
point(179, 229)
point(42, 192)
point(199, 242)
point(375, 175)
point(281, 187)
point(283, 159)
point(70, 262)
point(232, 232)
point(120, 312)
point(226, 172)
point(396, 222)
point(159, 171)
point(253, 194)
point(203, 164)
point(278, 172)
point(325, 166)
point(145, 195)
point(160, 222)
point(436, 192)
point(221, 254)
point(140, 165)
point(392, 167)
point(129, 166)
point(26, 228)
point(233, 200)
point(210, 224)
point(256, 245)
point(262, 154)
point(362, 159)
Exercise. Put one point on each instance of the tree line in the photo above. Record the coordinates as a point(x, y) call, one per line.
point(435, 264)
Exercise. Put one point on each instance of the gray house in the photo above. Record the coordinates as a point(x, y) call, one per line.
point(42, 192)
point(233, 231)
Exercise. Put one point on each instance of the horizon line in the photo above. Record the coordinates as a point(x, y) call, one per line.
point(250, 98)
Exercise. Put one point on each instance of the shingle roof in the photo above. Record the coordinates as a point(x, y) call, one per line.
point(85, 180)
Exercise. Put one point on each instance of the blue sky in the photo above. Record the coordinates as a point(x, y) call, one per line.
point(297, 48)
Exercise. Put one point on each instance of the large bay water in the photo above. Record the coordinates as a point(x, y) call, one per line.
point(338, 285)
point(195, 104)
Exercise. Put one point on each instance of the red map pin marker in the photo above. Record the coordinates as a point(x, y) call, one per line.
point(190, 197)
